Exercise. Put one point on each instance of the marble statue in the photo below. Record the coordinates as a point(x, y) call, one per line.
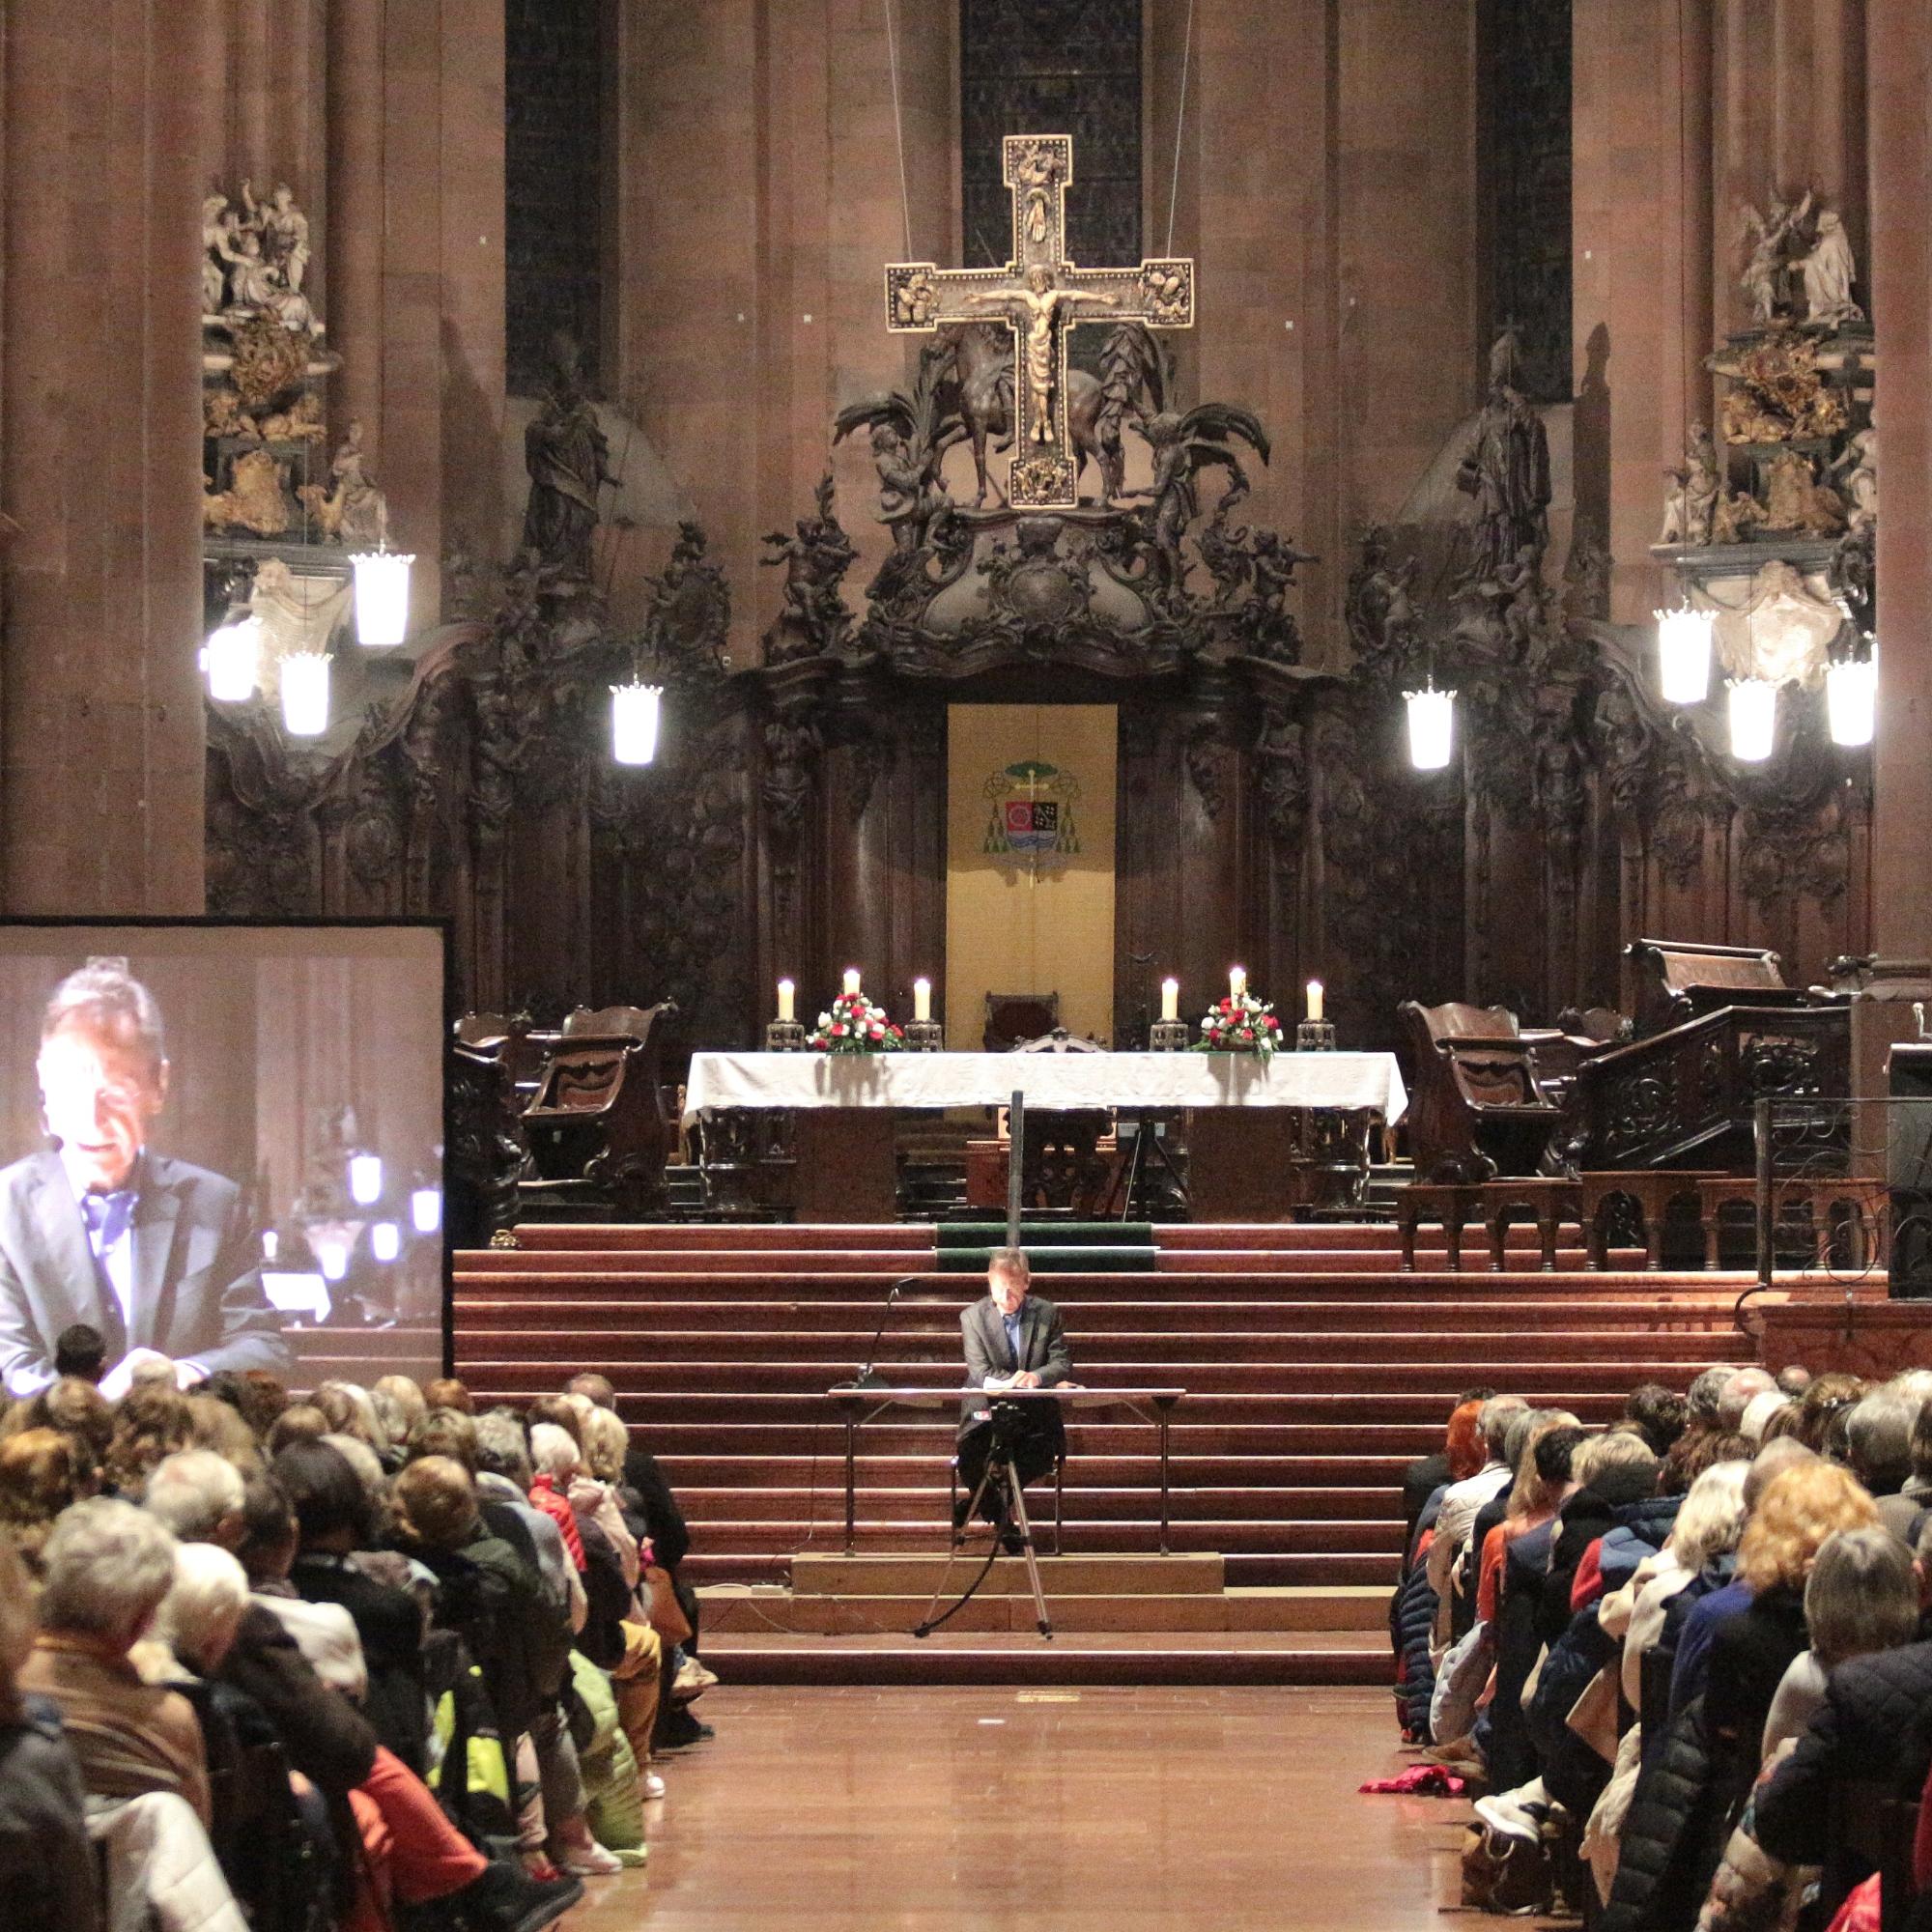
point(1856, 469)
point(1829, 270)
point(1765, 265)
point(351, 510)
point(1794, 499)
point(1693, 498)
point(284, 231)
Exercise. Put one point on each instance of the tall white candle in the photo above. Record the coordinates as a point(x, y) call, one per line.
point(1237, 981)
point(787, 992)
point(922, 1000)
point(1169, 999)
point(851, 981)
point(1315, 998)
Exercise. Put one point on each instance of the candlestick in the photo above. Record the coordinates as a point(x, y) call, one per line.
point(922, 999)
point(1169, 999)
point(787, 994)
point(1315, 998)
point(1237, 981)
point(851, 981)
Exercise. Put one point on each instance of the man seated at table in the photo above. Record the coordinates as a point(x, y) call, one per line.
point(1013, 1340)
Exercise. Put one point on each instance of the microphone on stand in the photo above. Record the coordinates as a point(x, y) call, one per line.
point(868, 1376)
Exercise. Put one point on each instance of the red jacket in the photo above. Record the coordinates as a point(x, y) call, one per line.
point(544, 1496)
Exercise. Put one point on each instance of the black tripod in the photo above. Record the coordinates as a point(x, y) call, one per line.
point(1001, 1477)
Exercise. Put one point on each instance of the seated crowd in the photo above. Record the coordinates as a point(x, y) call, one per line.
point(1684, 1652)
point(349, 1661)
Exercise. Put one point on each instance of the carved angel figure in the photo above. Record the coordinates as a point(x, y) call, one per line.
point(1766, 236)
point(1182, 446)
point(1857, 466)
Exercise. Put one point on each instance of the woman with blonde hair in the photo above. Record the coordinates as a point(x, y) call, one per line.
point(1751, 1649)
point(40, 1474)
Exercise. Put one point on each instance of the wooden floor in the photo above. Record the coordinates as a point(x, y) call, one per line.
point(1096, 1808)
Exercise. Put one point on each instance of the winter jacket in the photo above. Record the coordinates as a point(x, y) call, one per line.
point(1750, 1655)
point(46, 1868)
point(326, 1739)
point(670, 1536)
point(1572, 1771)
point(1662, 1879)
point(1416, 1619)
point(390, 1628)
point(1641, 1530)
point(1511, 1755)
point(162, 1870)
point(1876, 1722)
point(614, 1799)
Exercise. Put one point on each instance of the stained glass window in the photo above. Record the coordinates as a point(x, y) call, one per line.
point(553, 168)
point(1525, 63)
point(1053, 66)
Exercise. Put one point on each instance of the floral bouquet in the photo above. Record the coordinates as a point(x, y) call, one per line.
point(1243, 1025)
point(855, 1025)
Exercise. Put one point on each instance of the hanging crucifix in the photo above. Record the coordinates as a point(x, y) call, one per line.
point(1039, 294)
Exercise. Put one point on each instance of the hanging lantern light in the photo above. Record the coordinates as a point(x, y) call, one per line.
point(381, 595)
point(332, 1243)
point(1684, 654)
point(365, 1179)
point(386, 1240)
point(634, 721)
point(1432, 716)
point(1753, 709)
point(306, 694)
point(1851, 698)
point(425, 1208)
point(233, 657)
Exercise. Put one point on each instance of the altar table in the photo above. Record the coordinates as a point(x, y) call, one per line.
point(843, 1102)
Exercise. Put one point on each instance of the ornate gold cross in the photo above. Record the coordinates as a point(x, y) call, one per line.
point(1039, 295)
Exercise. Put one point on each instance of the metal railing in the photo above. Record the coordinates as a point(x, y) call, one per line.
point(1842, 1192)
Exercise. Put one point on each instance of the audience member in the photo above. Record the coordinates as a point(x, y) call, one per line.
point(40, 1476)
point(107, 1566)
point(446, 1392)
point(80, 1350)
point(46, 1864)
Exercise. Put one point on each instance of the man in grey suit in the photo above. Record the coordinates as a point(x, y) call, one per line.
point(154, 1253)
point(1013, 1340)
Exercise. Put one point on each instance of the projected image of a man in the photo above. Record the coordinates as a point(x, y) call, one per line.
point(155, 1253)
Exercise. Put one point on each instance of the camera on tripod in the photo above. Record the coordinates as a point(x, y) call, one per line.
point(1009, 1423)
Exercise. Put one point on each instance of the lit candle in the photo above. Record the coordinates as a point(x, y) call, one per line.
point(922, 1000)
point(787, 995)
point(1237, 981)
point(1169, 999)
point(851, 981)
point(1315, 998)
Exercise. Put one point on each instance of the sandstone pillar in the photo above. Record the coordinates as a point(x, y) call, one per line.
point(1901, 290)
point(101, 705)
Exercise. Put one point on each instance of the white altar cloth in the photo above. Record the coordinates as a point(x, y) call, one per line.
point(1058, 1081)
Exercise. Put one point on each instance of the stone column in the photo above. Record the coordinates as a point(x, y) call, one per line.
point(1901, 290)
point(101, 705)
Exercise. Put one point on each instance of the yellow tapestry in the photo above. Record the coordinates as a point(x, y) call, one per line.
point(1030, 863)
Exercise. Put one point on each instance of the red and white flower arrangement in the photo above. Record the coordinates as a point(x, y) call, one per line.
point(855, 1025)
point(1240, 1024)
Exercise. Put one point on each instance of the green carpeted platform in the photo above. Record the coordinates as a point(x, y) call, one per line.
point(1052, 1247)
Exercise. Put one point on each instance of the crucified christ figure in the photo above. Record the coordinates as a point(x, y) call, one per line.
point(1039, 305)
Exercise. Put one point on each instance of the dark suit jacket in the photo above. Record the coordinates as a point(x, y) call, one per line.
point(197, 1277)
point(1042, 1346)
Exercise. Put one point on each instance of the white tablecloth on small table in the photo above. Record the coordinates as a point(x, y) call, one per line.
point(1062, 1082)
